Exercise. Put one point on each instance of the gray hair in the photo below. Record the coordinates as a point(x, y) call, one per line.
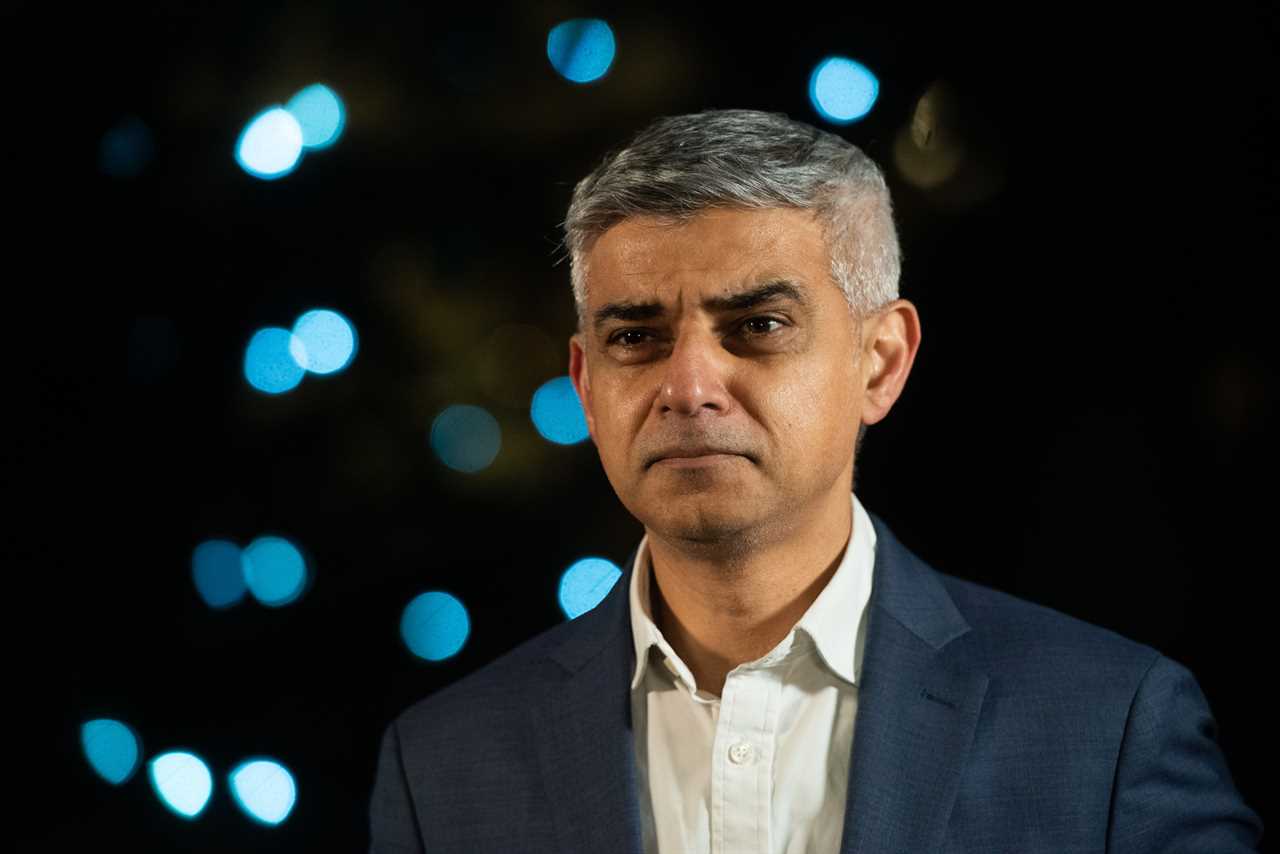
point(679, 166)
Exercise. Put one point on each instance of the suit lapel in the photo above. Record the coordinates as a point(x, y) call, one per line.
point(918, 706)
point(582, 728)
point(919, 699)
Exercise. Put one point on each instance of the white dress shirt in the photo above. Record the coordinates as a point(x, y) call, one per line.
point(770, 774)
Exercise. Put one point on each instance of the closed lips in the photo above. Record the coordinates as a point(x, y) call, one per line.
point(685, 453)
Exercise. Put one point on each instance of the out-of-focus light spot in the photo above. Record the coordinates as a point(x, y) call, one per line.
point(216, 569)
point(274, 571)
point(270, 145)
point(320, 115)
point(465, 438)
point(111, 748)
point(328, 341)
point(925, 168)
point(182, 781)
point(581, 49)
point(943, 151)
point(434, 625)
point(273, 360)
point(126, 149)
point(842, 90)
point(557, 412)
point(585, 584)
point(264, 789)
point(928, 152)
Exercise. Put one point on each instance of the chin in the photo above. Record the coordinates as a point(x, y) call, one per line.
point(695, 519)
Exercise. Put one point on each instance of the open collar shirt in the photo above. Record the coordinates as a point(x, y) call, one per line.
point(764, 768)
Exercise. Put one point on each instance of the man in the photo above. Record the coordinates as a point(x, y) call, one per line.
point(775, 671)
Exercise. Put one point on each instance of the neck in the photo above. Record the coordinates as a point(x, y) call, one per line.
point(719, 614)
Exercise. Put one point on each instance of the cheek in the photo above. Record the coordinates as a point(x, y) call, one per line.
point(813, 411)
point(615, 417)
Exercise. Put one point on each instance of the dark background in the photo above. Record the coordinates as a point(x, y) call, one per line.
point(1084, 425)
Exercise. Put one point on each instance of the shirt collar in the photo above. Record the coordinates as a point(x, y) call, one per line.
point(839, 639)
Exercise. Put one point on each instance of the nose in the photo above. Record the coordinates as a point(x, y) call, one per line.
point(695, 375)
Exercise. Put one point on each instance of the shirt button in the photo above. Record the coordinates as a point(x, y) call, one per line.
point(742, 753)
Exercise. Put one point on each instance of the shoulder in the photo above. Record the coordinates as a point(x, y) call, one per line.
point(1025, 643)
point(491, 693)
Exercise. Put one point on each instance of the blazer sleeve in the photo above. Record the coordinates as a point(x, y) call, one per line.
point(1173, 792)
point(393, 824)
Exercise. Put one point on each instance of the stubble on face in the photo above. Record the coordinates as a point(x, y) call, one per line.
point(773, 402)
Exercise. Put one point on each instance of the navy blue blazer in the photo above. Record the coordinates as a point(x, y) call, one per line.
point(985, 723)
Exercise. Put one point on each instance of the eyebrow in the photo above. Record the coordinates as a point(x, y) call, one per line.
point(632, 310)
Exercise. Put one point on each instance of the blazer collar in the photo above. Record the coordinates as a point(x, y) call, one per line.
point(919, 700)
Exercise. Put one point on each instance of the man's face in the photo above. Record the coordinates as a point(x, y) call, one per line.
point(768, 395)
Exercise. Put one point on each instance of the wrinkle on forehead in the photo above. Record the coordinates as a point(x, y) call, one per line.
point(653, 253)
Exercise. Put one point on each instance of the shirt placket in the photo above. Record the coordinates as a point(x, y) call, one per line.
point(742, 762)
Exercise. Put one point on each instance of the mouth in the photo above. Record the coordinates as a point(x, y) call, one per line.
point(697, 461)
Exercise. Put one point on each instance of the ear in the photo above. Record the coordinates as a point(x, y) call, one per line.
point(580, 376)
point(890, 350)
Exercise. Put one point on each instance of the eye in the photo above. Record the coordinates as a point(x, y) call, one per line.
point(617, 337)
point(754, 322)
point(756, 327)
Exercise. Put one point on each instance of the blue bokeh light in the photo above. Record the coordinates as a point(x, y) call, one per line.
point(328, 340)
point(126, 149)
point(270, 145)
point(320, 114)
point(557, 413)
point(585, 584)
point(842, 90)
point(274, 571)
point(435, 625)
point(264, 789)
point(112, 749)
point(581, 49)
point(465, 438)
point(182, 781)
point(273, 360)
point(215, 568)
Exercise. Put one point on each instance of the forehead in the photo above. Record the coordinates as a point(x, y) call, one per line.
point(716, 251)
